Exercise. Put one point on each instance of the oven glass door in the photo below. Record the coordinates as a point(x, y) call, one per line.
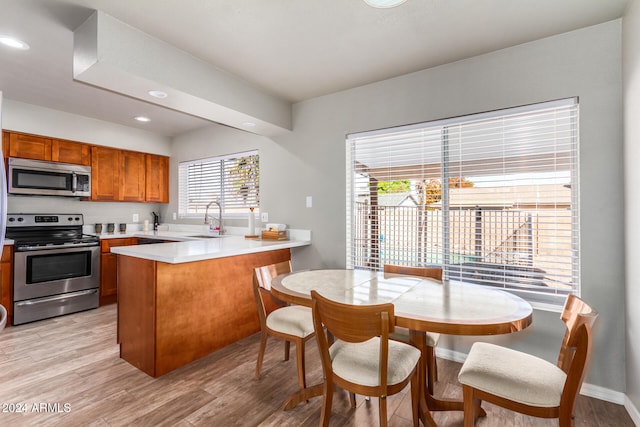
point(65, 265)
point(46, 272)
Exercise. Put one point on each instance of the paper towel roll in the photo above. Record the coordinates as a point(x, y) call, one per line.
point(252, 223)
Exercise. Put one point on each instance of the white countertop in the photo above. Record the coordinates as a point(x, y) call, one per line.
point(190, 248)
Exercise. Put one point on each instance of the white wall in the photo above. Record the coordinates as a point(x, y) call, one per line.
point(18, 116)
point(631, 78)
point(310, 161)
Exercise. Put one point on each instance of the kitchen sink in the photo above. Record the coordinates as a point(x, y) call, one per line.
point(206, 236)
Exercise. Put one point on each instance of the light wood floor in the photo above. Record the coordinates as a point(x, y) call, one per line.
point(66, 371)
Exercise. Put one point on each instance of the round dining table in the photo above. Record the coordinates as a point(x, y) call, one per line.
point(420, 304)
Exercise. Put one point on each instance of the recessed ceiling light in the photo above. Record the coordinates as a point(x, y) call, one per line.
point(142, 119)
point(13, 42)
point(248, 124)
point(383, 4)
point(158, 94)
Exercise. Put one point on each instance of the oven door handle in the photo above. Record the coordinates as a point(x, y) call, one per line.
point(54, 247)
point(56, 298)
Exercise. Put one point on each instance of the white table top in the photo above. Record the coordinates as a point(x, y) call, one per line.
point(419, 303)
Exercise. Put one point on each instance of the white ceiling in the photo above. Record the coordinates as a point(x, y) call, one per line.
point(294, 49)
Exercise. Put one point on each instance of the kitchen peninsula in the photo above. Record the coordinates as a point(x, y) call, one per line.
point(180, 301)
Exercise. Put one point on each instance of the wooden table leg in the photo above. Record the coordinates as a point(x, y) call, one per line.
point(418, 339)
point(302, 396)
point(428, 402)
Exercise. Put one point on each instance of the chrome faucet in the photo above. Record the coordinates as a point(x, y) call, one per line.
point(206, 214)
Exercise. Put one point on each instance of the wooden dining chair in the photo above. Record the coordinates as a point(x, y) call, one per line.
point(527, 384)
point(402, 334)
point(361, 359)
point(293, 324)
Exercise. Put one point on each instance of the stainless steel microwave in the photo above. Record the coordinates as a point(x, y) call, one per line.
point(35, 177)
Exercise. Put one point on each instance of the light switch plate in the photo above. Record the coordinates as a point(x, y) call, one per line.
point(136, 217)
point(309, 201)
point(264, 216)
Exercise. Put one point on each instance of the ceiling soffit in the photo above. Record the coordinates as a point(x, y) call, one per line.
point(115, 56)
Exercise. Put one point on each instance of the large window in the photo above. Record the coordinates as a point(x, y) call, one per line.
point(233, 181)
point(491, 197)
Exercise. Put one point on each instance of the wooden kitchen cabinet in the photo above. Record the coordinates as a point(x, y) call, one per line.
point(105, 173)
point(132, 176)
point(64, 151)
point(28, 146)
point(36, 147)
point(117, 175)
point(109, 268)
point(6, 281)
point(157, 178)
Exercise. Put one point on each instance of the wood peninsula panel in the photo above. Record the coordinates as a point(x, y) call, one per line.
point(136, 312)
point(173, 314)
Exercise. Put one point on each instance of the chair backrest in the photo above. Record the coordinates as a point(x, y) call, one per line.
point(354, 324)
point(432, 272)
point(262, 277)
point(575, 351)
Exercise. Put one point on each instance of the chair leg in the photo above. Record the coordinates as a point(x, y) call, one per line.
point(300, 359)
point(327, 400)
point(432, 373)
point(382, 405)
point(263, 345)
point(352, 399)
point(287, 347)
point(415, 398)
point(566, 418)
point(471, 406)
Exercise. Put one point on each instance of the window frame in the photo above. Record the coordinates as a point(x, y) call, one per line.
point(228, 201)
point(538, 298)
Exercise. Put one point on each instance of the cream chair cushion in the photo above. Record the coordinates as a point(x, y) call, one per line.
point(360, 362)
point(513, 375)
point(293, 320)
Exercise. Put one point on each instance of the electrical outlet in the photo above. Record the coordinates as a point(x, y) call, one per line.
point(309, 201)
point(264, 216)
point(175, 216)
point(136, 217)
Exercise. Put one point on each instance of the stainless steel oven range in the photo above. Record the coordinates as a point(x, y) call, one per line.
point(56, 267)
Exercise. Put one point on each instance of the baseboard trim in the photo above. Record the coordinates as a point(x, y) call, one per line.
point(632, 410)
point(589, 390)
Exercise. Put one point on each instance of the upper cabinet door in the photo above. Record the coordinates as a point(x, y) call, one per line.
point(70, 152)
point(157, 181)
point(105, 173)
point(29, 146)
point(132, 176)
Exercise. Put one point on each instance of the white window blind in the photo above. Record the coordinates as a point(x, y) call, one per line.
point(232, 180)
point(491, 197)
